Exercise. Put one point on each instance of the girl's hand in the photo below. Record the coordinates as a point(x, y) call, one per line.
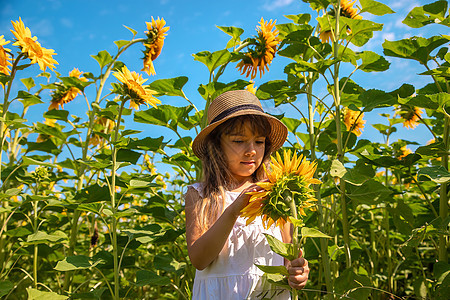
point(298, 270)
point(242, 200)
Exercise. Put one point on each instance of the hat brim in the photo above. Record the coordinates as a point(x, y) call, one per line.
point(277, 136)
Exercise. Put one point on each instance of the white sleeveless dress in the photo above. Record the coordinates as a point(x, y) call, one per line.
point(233, 274)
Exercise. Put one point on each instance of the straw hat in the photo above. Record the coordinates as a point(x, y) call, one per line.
point(232, 104)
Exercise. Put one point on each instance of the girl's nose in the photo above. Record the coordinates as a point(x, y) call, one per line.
point(251, 149)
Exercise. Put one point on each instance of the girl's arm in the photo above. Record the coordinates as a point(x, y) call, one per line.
point(204, 248)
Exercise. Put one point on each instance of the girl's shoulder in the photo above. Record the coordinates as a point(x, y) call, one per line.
point(198, 186)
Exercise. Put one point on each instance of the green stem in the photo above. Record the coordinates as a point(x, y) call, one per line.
point(113, 204)
point(443, 201)
point(35, 258)
point(321, 221)
point(340, 150)
point(288, 199)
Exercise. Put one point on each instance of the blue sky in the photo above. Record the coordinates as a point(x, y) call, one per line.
point(78, 29)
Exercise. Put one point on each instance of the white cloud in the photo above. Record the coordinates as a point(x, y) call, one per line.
point(271, 5)
point(66, 22)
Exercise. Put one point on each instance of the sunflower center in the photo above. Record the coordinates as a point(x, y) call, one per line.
point(2, 57)
point(35, 47)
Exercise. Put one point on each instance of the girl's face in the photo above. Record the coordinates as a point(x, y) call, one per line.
point(244, 151)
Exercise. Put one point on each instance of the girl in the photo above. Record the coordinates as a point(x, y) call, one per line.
point(233, 148)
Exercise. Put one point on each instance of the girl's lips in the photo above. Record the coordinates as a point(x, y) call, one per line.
point(248, 162)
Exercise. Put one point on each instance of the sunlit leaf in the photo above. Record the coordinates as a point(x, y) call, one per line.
point(34, 294)
point(77, 262)
point(372, 62)
point(307, 232)
point(375, 8)
point(361, 30)
point(213, 60)
point(416, 48)
point(273, 269)
point(103, 58)
point(28, 99)
point(169, 86)
point(437, 174)
point(428, 14)
point(57, 114)
point(286, 250)
point(5, 287)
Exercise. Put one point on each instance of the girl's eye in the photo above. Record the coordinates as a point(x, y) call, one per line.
point(237, 141)
point(260, 142)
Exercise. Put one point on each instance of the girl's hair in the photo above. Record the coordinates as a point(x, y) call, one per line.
point(216, 174)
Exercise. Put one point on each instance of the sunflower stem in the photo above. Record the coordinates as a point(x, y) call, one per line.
point(443, 199)
point(295, 242)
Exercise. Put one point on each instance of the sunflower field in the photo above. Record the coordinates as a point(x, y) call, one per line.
point(87, 213)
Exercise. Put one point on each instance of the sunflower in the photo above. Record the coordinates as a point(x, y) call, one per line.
point(347, 10)
point(410, 115)
point(353, 120)
point(155, 41)
point(404, 152)
point(4, 57)
point(288, 176)
point(31, 47)
point(132, 86)
point(251, 87)
point(261, 55)
point(101, 124)
point(63, 94)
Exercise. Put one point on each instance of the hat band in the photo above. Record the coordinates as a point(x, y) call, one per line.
point(234, 109)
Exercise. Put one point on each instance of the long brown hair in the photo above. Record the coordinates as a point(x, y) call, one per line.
point(216, 175)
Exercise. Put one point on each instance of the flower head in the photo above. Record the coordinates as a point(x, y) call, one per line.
point(63, 94)
point(353, 120)
point(4, 57)
point(251, 87)
point(347, 10)
point(404, 152)
point(104, 125)
point(133, 88)
point(265, 46)
point(288, 176)
point(31, 47)
point(410, 115)
point(155, 41)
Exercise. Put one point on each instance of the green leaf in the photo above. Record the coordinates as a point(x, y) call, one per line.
point(283, 249)
point(427, 14)
point(375, 8)
point(273, 269)
point(134, 32)
point(318, 4)
point(300, 18)
point(291, 124)
point(361, 30)
point(128, 156)
point(234, 32)
point(46, 146)
point(34, 294)
point(77, 262)
point(144, 277)
point(213, 60)
point(57, 114)
point(372, 62)
point(337, 169)
point(147, 144)
point(26, 161)
point(437, 174)
point(371, 99)
point(415, 48)
point(170, 86)
point(313, 233)
point(28, 82)
point(103, 58)
point(166, 115)
point(28, 99)
point(41, 237)
point(370, 192)
point(353, 285)
point(5, 287)
point(121, 43)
